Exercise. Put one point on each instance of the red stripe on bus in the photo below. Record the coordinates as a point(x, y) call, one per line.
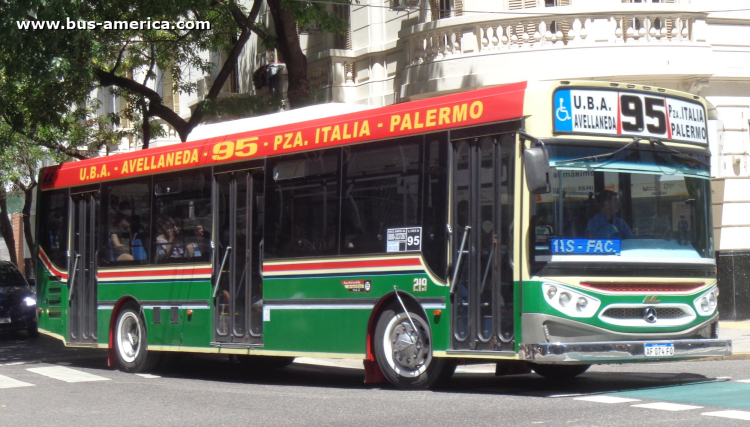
point(410, 262)
point(47, 263)
point(147, 273)
point(470, 108)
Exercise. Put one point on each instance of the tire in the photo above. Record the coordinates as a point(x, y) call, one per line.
point(408, 363)
point(559, 372)
point(33, 331)
point(130, 340)
point(262, 363)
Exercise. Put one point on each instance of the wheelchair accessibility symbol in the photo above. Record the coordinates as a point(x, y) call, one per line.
point(562, 113)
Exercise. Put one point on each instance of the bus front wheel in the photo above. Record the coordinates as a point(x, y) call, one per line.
point(559, 372)
point(130, 341)
point(403, 349)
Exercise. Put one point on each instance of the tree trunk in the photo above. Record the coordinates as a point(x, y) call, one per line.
point(5, 226)
point(146, 125)
point(28, 197)
point(296, 62)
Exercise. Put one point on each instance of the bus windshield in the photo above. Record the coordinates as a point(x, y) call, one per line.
point(635, 205)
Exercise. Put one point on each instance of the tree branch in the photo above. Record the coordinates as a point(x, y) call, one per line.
point(178, 123)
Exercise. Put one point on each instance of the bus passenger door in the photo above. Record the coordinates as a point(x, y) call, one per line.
point(482, 215)
point(237, 241)
point(82, 286)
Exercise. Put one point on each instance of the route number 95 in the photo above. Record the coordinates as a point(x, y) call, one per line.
point(241, 148)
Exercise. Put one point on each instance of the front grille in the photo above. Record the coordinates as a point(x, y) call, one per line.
point(637, 313)
point(644, 287)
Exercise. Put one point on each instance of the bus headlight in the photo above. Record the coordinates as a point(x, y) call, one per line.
point(561, 299)
point(564, 299)
point(30, 301)
point(706, 304)
point(551, 291)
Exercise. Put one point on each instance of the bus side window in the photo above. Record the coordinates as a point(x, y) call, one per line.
point(126, 213)
point(381, 191)
point(54, 229)
point(182, 217)
point(302, 205)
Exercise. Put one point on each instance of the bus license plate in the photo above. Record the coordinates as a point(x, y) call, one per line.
point(4, 319)
point(659, 350)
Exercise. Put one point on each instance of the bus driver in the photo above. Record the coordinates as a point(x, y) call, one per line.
point(606, 224)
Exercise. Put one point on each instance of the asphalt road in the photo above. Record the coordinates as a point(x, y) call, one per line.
point(44, 384)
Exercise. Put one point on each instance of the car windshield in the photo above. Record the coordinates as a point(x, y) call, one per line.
point(9, 276)
point(635, 205)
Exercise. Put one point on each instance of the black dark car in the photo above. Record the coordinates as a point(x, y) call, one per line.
point(17, 302)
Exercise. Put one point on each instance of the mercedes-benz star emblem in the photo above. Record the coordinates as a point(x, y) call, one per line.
point(649, 314)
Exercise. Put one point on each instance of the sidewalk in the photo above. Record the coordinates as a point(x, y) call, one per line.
point(739, 333)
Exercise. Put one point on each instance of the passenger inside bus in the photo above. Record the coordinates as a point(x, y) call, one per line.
point(168, 243)
point(197, 244)
point(120, 238)
point(606, 224)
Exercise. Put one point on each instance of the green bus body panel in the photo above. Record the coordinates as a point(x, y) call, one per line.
point(52, 298)
point(338, 330)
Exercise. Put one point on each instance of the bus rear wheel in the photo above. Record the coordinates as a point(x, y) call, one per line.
point(130, 340)
point(559, 372)
point(404, 350)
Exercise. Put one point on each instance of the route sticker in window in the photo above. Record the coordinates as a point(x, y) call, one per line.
point(586, 246)
point(404, 239)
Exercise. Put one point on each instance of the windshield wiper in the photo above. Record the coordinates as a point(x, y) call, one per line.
point(677, 153)
point(598, 156)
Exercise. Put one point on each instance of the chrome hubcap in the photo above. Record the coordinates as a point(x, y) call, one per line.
point(408, 351)
point(129, 336)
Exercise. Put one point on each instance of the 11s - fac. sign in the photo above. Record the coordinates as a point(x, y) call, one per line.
point(612, 112)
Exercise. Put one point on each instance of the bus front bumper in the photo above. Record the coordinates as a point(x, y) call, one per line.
point(621, 351)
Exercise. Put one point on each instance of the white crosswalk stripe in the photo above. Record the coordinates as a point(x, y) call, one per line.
point(737, 415)
point(7, 382)
point(606, 399)
point(666, 406)
point(66, 374)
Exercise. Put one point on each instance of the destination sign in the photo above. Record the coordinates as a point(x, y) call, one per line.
point(586, 246)
point(611, 112)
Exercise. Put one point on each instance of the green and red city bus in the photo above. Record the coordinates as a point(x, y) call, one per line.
point(539, 225)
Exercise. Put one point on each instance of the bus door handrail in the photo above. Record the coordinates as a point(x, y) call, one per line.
point(73, 278)
point(458, 261)
point(221, 270)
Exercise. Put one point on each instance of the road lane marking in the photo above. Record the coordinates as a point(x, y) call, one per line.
point(606, 399)
point(666, 406)
point(737, 415)
point(66, 374)
point(7, 382)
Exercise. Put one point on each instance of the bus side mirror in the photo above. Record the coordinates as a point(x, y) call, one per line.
point(536, 163)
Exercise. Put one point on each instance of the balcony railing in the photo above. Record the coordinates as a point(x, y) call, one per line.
point(483, 34)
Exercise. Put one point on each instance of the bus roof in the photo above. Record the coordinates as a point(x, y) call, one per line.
point(226, 143)
point(248, 124)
